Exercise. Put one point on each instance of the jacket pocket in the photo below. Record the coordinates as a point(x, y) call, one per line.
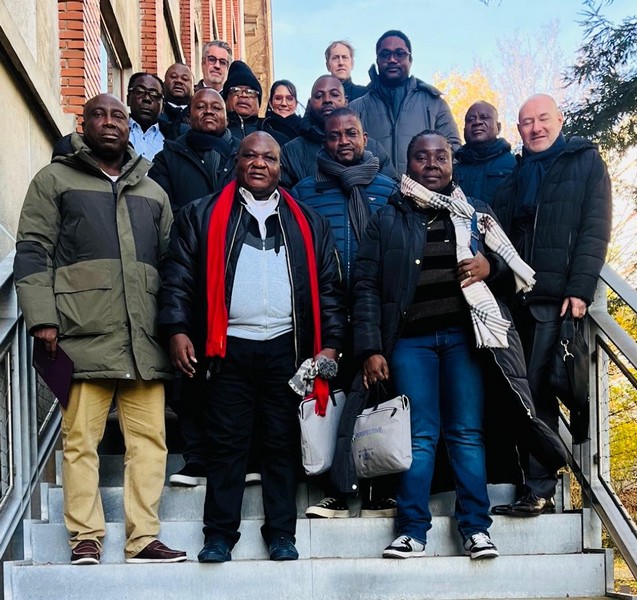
point(84, 299)
point(150, 309)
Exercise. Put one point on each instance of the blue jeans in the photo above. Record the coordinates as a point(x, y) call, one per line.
point(441, 375)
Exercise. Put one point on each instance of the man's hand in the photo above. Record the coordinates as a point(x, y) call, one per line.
point(182, 354)
point(375, 369)
point(473, 269)
point(49, 335)
point(578, 307)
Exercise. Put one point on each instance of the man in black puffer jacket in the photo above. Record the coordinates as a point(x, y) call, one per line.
point(252, 288)
point(556, 208)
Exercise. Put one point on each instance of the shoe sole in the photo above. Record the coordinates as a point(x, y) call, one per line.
point(85, 561)
point(284, 558)
point(325, 513)
point(186, 481)
point(139, 561)
point(386, 512)
point(214, 560)
point(389, 553)
point(482, 554)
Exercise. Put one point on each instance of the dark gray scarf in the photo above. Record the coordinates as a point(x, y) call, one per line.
point(350, 178)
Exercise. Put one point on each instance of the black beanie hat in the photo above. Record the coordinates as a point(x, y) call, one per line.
point(240, 73)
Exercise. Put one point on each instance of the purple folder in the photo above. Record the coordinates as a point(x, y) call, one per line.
point(55, 373)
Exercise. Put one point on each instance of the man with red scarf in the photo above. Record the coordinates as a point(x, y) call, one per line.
point(252, 288)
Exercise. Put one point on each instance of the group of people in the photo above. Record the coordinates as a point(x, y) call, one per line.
point(361, 232)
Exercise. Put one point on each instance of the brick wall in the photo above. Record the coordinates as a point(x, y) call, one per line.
point(186, 33)
point(79, 53)
point(151, 12)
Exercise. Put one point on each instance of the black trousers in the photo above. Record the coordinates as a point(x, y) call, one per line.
point(252, 384)
point(539, 328)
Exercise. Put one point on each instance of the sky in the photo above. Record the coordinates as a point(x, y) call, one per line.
point(446, 35)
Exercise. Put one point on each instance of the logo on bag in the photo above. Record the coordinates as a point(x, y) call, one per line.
point(367, 432)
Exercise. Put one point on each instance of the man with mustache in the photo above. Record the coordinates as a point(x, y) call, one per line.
point(201, 161)
point(93, 233)
point(485, 159)
point(178, 83)
point(398, 106)
point(298, 157)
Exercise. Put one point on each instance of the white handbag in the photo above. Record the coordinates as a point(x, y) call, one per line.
point(382, 439)
point(318, 434)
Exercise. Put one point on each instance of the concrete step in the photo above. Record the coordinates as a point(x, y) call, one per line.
point(186, 504)
point(439, 578)
point(327, 538)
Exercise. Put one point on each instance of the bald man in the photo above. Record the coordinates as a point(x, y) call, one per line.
point(103, 314)
point(556, 208)
point(485, 159)
point(201, 161)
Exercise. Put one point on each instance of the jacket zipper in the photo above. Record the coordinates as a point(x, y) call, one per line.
point(234, 237)
point(287, 260)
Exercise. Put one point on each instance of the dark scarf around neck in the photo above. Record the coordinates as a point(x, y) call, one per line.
point(351, 178)
point(533, 167)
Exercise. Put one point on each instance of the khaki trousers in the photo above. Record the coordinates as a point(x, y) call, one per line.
point(140, 407)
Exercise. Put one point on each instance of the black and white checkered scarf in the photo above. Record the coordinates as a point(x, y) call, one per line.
point(489, 325)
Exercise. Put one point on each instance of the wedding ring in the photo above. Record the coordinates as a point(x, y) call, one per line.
point(468, 273)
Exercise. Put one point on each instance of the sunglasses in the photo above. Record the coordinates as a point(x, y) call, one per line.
point(139, 92)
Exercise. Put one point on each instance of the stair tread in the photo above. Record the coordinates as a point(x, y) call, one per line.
point(454, 577)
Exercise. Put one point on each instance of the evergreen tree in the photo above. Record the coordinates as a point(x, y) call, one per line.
point(607, 69)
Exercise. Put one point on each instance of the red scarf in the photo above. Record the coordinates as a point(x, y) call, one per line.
point(216, 278)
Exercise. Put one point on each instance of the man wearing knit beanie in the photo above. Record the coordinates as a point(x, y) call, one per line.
point(242, 93)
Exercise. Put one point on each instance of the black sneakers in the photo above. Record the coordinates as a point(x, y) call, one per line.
point(328, 508)
point(479, 546)
point(379, 508)
point(404, 546)
point(191, 475)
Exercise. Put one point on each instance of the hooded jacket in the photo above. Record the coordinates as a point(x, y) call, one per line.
point(423, 108)
point(88, 256)
point(482, 168)
point(572, 223)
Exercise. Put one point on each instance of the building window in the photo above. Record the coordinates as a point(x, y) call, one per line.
point(111, 79)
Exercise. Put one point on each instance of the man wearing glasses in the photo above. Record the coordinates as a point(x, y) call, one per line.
point(398, 106)
point(242, 93)
point(216, 57)
point(145, 100)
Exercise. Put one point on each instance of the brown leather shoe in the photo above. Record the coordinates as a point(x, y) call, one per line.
point(156, 552)
point(529, 505)
point(87, 552)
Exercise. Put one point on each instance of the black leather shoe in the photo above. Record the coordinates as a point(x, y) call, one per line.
point(529, 505)
point(282, 549)
point(215, 550)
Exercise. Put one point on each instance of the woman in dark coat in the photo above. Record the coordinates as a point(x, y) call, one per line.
point(281, 112)
point(422, 308)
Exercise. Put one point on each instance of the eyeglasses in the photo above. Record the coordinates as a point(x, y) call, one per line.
point(243, 91)
point(289, 99)
point(139, 92)
point(213, 60)
point(399, 54)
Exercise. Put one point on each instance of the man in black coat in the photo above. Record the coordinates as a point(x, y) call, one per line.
point(298, 157)
point(242, 93)
point(556, 208)
point(201, 161)
point(485, 160)
point(252, 288)
point(339, 60)
point(178, 83)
